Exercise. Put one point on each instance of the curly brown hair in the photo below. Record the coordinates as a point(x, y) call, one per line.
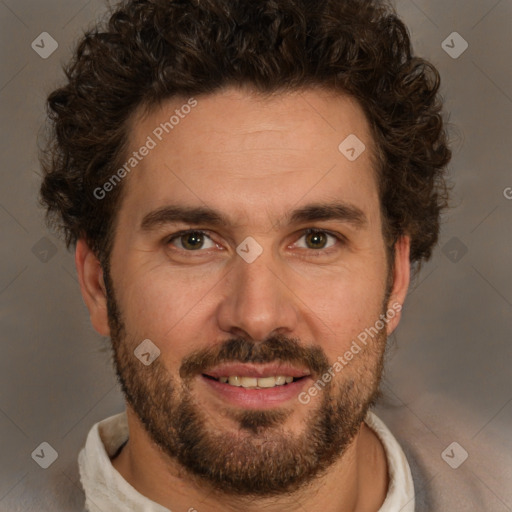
point(150, 50)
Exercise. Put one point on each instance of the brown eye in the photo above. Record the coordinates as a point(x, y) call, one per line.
point(192, 241)
point(316, 240)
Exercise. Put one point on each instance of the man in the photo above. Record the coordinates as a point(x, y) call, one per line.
point(247, 185)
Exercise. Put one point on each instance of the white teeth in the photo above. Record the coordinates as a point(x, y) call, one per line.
point(266, 382)
point(249, 382)
point(253, 382)
point(234, 381)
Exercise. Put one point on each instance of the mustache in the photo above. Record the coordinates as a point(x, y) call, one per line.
point(278, 348)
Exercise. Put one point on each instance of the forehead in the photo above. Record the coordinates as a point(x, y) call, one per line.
point(251, 155)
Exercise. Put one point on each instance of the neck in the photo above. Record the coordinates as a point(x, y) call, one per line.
point(357, 482)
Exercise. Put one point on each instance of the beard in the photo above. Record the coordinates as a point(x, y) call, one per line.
point(260, 457)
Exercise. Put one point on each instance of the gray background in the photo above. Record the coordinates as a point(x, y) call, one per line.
point(449, 375)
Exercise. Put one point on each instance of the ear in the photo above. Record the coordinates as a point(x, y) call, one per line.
point(92, 285)
point(401, 279)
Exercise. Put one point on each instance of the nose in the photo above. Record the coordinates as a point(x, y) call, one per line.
point(257, 303)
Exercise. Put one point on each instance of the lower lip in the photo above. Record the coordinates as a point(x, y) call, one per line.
point(265, 398)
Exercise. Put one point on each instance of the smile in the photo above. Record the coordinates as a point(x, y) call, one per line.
point(256, 382)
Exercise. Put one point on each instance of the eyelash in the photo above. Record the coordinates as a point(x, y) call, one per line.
point(339, 238)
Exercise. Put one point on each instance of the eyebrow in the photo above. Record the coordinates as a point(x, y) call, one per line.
point(185, 214)
point(344, 212)
point(204, 215)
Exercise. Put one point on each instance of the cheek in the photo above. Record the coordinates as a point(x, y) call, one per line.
point(170, 309)
point(342, 307)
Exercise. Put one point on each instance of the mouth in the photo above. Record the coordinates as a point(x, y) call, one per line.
point(255, 386)
point(255, 382)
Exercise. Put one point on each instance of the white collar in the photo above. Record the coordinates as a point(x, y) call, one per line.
point(106, 490)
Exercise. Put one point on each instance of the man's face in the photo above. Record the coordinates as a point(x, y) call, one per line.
point(248, 246)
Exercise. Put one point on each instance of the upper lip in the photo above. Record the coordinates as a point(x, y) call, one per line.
point(256, 370)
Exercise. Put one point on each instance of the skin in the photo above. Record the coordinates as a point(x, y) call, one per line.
point(253, 159)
